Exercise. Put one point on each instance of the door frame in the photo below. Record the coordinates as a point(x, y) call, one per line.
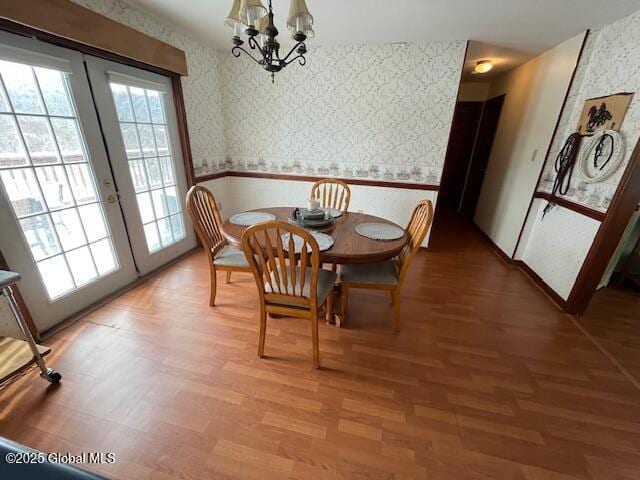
point(178, 98)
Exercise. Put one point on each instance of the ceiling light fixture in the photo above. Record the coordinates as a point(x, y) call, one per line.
point(253, 19)
point(483, 66)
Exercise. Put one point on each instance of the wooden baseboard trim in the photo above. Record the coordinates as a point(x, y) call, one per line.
point(498, 251)
point(541, 284)
point(308, 178)
point(569, 205)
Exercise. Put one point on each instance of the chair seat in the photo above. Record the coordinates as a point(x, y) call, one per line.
point(326, 281)
point(382, 273)
point(231, 256)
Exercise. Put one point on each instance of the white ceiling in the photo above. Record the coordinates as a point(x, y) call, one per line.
point(504, 59)
point(529, 26)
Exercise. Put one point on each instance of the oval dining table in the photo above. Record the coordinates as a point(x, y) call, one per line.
point(348, 247)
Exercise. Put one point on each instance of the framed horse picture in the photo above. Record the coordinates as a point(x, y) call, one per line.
point(604, 113)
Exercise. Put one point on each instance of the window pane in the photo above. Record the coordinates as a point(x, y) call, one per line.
point(161, 139)
point(81, 265)
point(21, 87)
point(151, 234)
point(146, 139)
point(39, 139)
point(138, 176)
point(22, 189)
point(68, 136)
point(103, 256)
point(52, 88)
point(172, 199)
point(165, 232)
point(4, 104)
point(55, 187)
point(121, 100)
point(93, 221)
point(69, 229)
point(39, 233)
point(167, 170)
point(130, 138)
point(11, 150)
point(139, 104)
point(81, 182)
point(159, 203)
point(153, 169)
point(155, 106)
point(145, 207)
point(177, 226)
point(56, 276)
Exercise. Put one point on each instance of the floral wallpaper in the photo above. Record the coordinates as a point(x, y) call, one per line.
point(372, 112)
point(201, 88)
point(610, 64)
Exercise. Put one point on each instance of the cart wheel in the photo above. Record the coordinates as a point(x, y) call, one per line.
point(52, 376)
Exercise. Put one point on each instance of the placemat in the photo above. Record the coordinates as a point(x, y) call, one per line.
point(379, 231)
point(325, 242)
point(246, 219)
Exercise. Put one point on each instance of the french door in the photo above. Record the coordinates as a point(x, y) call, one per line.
point(81, 215)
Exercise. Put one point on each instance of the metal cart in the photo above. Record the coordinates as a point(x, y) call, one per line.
point(16, 355)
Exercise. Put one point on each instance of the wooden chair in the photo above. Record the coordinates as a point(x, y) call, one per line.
point(289, 284)
point(332, 193)
point(389, 275)
point(205, 216)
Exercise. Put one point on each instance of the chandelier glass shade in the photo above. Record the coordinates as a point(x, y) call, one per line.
point(251, 18)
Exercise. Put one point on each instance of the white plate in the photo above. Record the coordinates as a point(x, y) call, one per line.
point(334, 212)
point(325, 242)
point(379, 231)
point(246, 219)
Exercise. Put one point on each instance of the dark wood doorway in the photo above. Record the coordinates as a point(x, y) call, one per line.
point(480, 158)
point(472, 134)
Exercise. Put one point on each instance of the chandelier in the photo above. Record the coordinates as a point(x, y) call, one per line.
point(252, 18)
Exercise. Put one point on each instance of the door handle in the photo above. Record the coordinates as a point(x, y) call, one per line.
point(113, 198)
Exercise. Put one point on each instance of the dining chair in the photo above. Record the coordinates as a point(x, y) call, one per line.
point(289, 284)
point(205, 216)
point(332, 193)
point(390, 274)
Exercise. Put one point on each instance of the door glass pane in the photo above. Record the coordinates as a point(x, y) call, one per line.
point(19, 81)
point(145, 134)
point(49, 181)
point(55, 187)
point(38, 230)
point(53, 90)
point(39, 139)
point(81, 264)
point(68, 137)
point(12, 153)
point(23, 191)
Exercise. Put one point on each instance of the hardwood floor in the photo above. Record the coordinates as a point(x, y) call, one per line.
point(487, 379)
point(613, 319)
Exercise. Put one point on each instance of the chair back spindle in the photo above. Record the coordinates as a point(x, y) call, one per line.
point(417, 229)
point(202, 207)
point(280, 272)
point(332, 193)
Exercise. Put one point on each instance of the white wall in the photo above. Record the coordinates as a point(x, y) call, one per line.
point(535, 93)
point(610, 64)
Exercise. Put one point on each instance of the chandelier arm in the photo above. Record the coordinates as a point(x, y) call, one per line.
point(295, 47)
point(303, 60)
point(253, 43)
point(235, 51)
